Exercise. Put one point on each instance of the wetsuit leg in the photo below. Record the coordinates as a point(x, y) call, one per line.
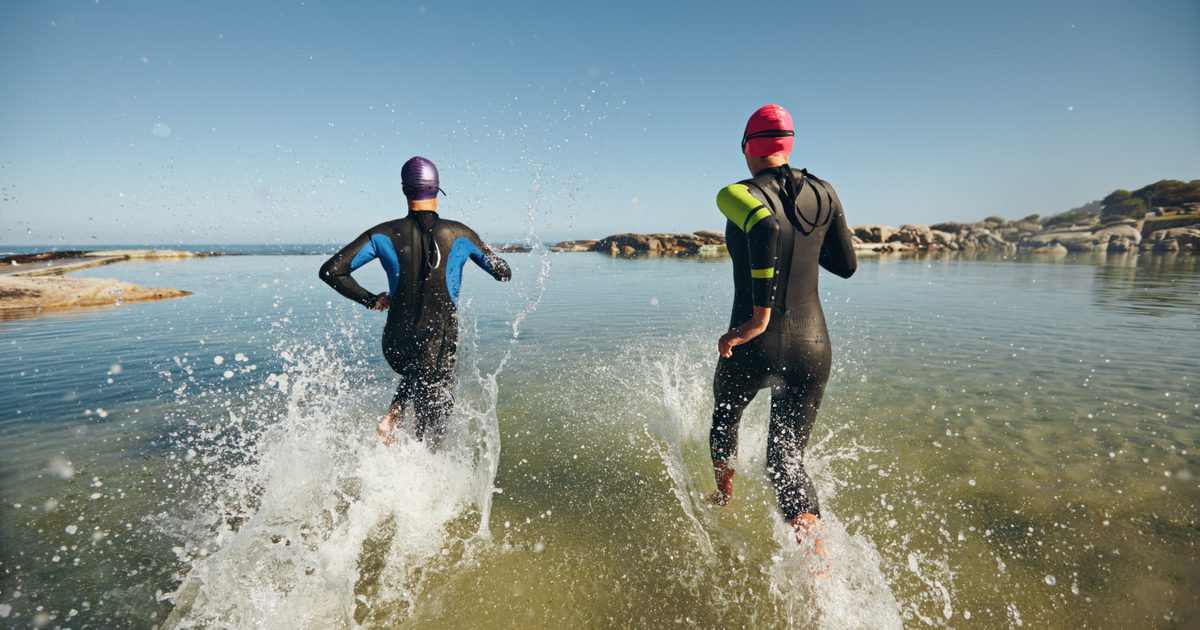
point(432, 403)
point(426, 369)
point(794, 404)
point(735, 384)
point(399, 356)
point(404, 392)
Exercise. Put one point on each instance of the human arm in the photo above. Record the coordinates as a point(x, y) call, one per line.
point(336, 272)
point(757, 224)
point(744, 333)
point(837, 250)
point(489, 261)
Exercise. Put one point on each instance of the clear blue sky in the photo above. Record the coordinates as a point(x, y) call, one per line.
point(249, 122)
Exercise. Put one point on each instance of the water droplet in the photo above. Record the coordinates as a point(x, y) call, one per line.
point(60, 466)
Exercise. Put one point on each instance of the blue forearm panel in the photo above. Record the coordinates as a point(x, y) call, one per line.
point(462, 249)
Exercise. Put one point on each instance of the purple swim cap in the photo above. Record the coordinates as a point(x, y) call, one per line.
point(419, 179)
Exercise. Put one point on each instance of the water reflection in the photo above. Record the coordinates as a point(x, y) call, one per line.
point(1157, 285)
point(1152, 284)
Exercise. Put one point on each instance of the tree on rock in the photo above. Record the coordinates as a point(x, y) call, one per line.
point(1127, 208)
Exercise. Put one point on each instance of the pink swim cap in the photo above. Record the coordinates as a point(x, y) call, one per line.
point(769, 132)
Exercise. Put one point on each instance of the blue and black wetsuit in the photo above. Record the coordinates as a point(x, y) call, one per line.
point(782, 224)
point(423, 256)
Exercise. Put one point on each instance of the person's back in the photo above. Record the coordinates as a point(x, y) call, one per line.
point(811, 233)
point(423, 256)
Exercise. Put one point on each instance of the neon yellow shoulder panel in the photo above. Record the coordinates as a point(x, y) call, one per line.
point(741, 207)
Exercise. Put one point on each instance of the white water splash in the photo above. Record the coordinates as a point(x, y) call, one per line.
point(290, 528)
point(851, 590)
point(682, 403)
point(323, 527)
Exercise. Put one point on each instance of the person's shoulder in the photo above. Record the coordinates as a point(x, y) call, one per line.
point(804, 172)
point(387, 227)
point(735, 186)
point(823, 185)
point(456, 228)
point(740, 193)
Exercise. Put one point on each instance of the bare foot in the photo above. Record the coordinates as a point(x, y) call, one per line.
point(386, 430)
point(724, 477)
point(808, 536)
point(718, 498)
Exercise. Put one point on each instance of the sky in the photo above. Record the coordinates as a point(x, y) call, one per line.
point(288, 122)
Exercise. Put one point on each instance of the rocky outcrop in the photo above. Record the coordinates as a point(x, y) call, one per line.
point(573, 246)
point(59, 262)
point(1027, 235)
point(29, 293)
point(30, 283)
point(941, 237)
point(1173, 240)
point(695, 244)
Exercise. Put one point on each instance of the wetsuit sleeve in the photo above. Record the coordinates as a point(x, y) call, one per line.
point(761, 231)
point(336, 271)
point(837, 250)
point(489, 261)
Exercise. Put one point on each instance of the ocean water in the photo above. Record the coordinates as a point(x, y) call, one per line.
point(1002, 444)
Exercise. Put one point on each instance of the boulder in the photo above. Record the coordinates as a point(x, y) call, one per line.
point(1174, 239)
point(942, 238)
point(1057, 249)
point(573, 246)
point(704, 241)
point(1076, 240)
point(1119, 245)
point(1118, 231)
point(874, 233)
point(1026, 226)
point(919, 235)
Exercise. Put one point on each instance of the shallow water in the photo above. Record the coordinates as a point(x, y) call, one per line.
point(1002, 444)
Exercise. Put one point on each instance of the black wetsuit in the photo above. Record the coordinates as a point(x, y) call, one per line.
point(782, 223)
point(423, 256)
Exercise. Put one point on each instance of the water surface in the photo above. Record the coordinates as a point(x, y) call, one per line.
point(1002, 444)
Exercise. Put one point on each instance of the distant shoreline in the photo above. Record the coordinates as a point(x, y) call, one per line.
point(1154, 234)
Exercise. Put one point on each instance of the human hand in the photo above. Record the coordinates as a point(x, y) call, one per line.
point(382, 302)
point(746, 332)
point(738, 336)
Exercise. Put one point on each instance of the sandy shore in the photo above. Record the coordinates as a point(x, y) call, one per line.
point(34, 281)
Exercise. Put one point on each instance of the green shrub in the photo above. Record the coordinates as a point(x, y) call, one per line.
point(1128, 208)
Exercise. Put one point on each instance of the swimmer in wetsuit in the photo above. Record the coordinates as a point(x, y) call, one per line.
point(423, 255)
point(782, 224)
